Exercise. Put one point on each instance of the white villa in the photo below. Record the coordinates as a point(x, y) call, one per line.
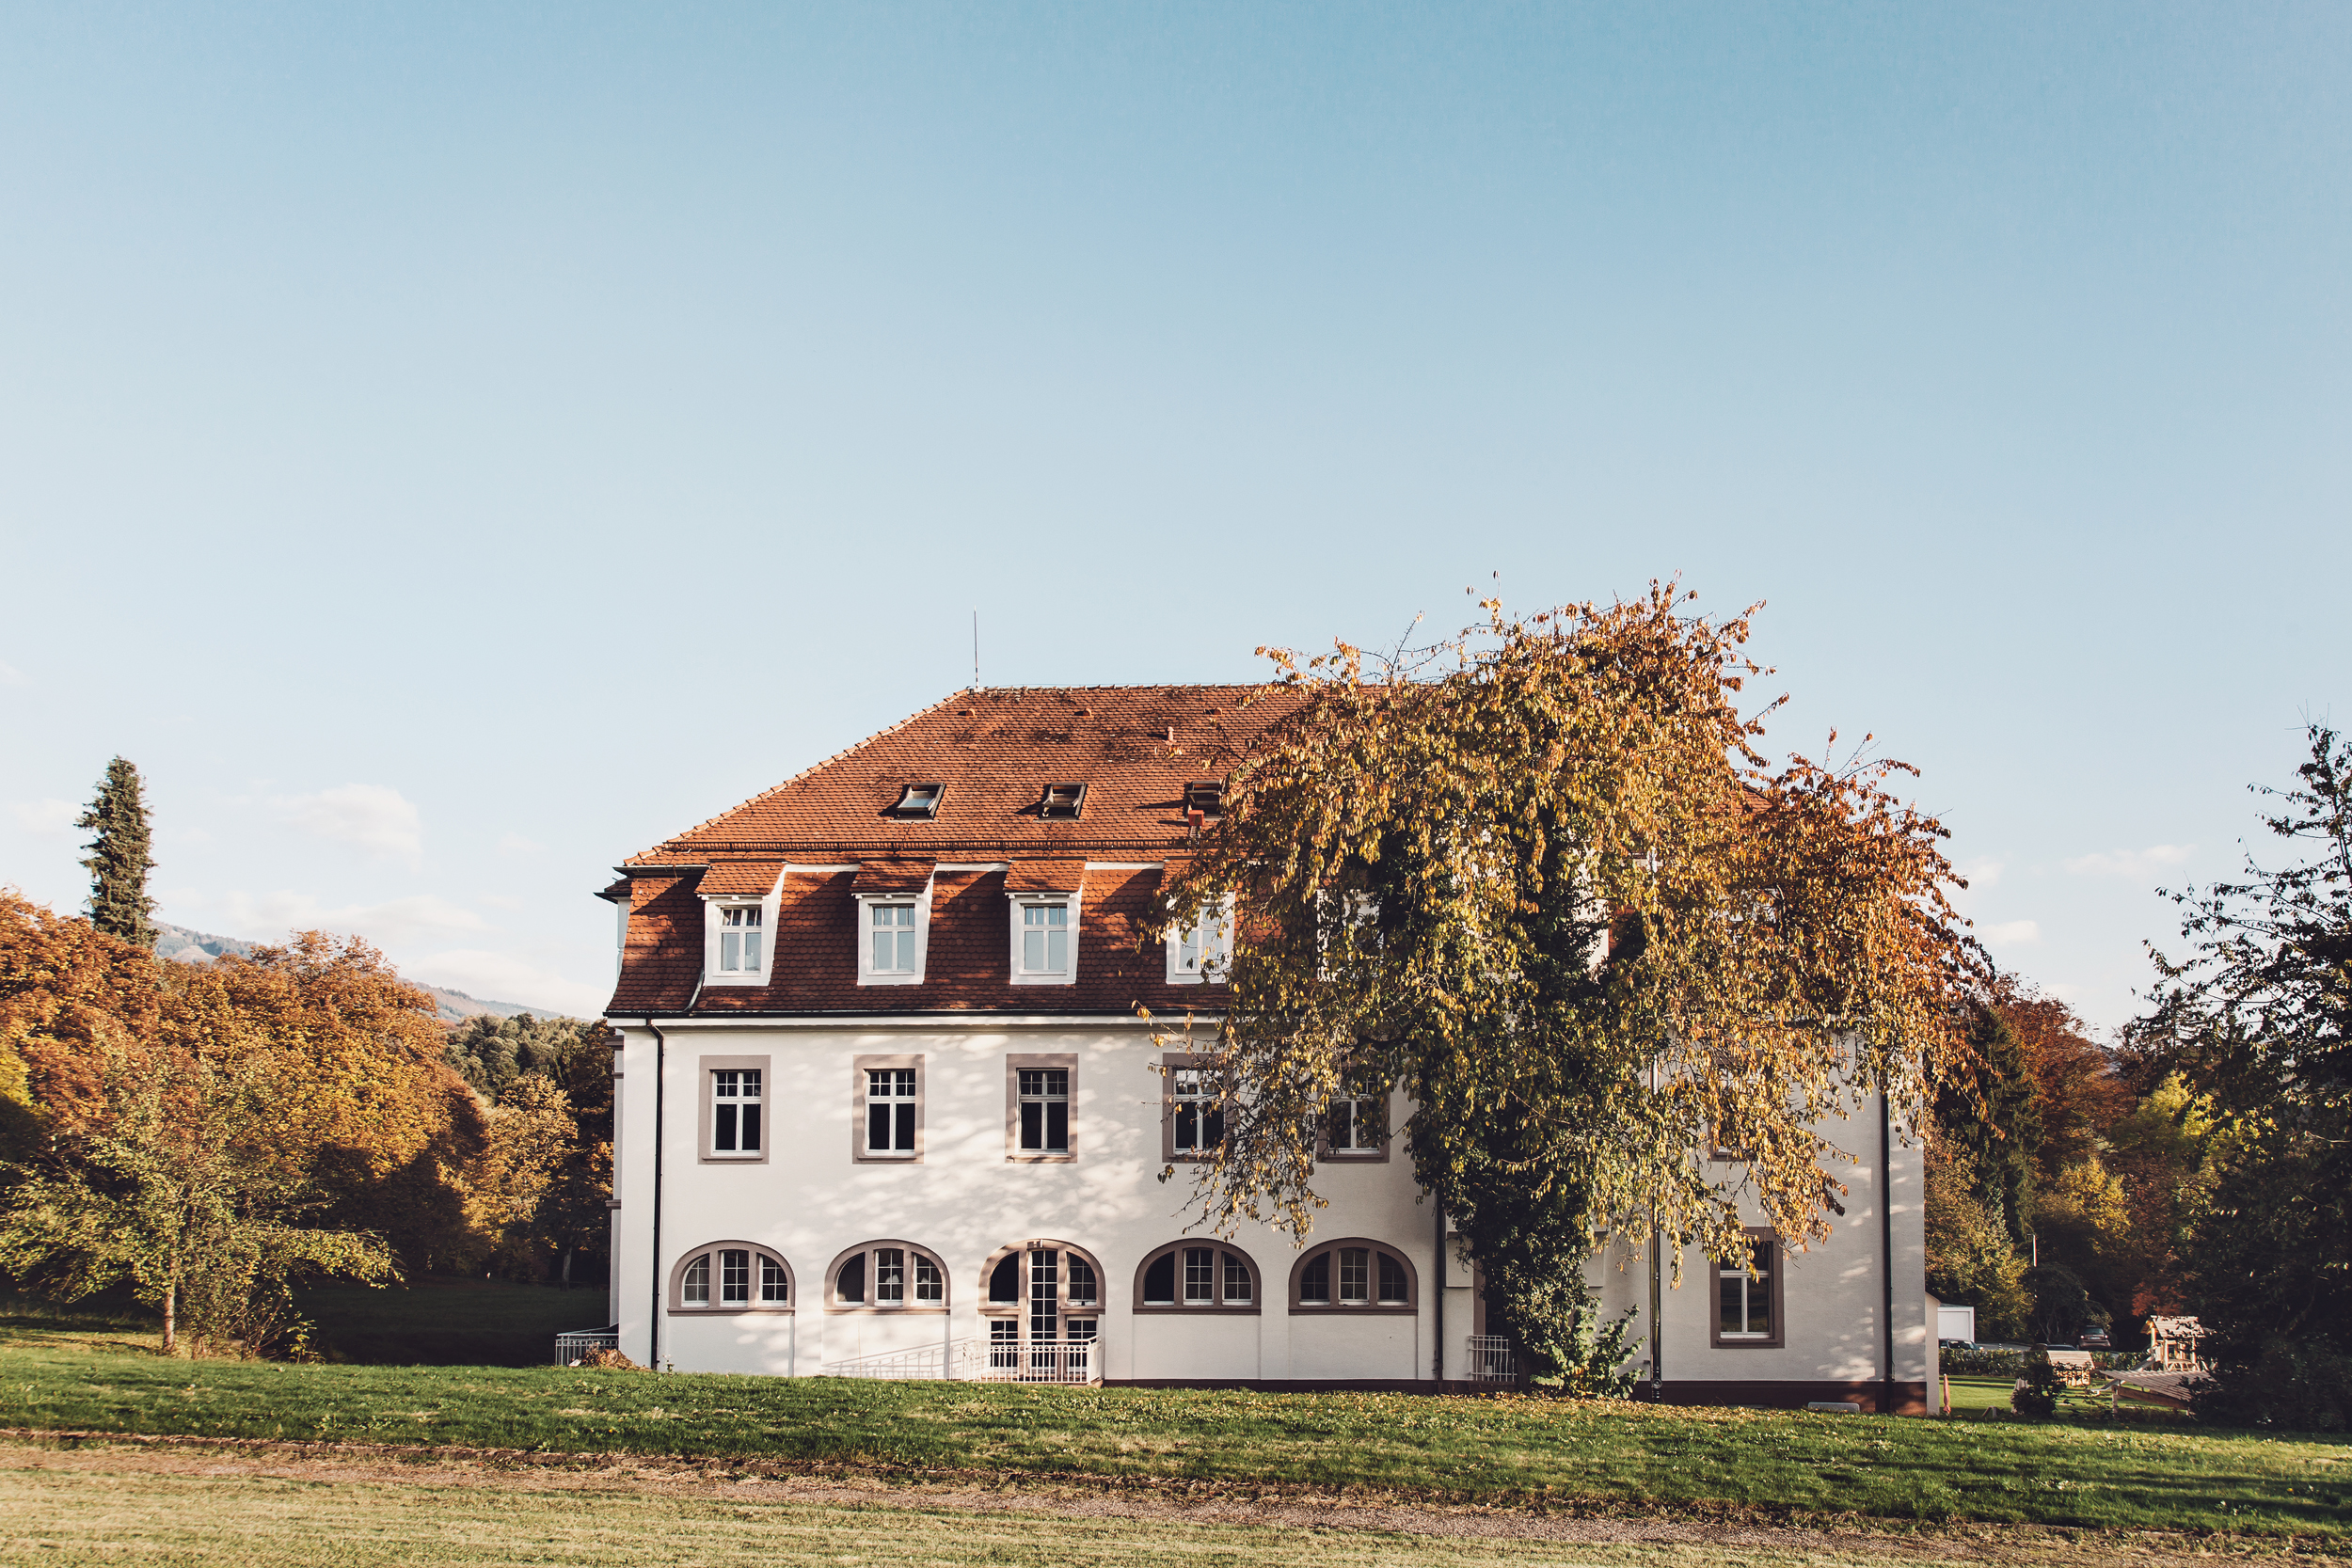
point(885, 1107)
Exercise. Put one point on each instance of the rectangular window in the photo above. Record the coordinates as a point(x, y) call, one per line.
point(1200, 1274)
point(892, 935)
point(734, 1279)
point(1044, 939)
point(1747, 1294)
point(1236, 1279)
point(926, 1282)
point(735, 1105)
point(1004, 1343)
point(1201, 950)
point(1040, 1090)
point(1046, 1110)
point(1315, 1280)
point(1196, 1121)
point(890, 1110)
point(886, 1108)
point(1392, 1279)
point(890, 1276)
point(739, 940)
point(1081, 1281)
point(1355, 1274)
point(773, 1286)
point(1357, 1125)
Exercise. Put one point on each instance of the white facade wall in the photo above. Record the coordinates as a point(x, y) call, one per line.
point(809, 1201)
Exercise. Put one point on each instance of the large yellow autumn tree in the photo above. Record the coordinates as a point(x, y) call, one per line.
point(305, 1089)
point(1541, 878)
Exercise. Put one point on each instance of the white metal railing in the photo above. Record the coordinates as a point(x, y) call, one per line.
point(1038, 1361)
point(573, 1348)
point(1491, 1359)
point(975, 1360)
point(923, 1361)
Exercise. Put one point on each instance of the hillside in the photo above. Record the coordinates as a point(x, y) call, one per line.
point(201, 947)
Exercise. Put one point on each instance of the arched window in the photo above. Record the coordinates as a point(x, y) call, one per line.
point(1198, 1276)
point(886, 1276)
point(731, 1276)
point(1353, 1275)
point(1042, 1301)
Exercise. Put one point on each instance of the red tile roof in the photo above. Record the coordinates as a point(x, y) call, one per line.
point(1135, 748)
point(741, 878)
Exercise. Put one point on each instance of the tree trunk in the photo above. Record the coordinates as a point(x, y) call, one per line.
point(567, 1268)
point(171, 1342)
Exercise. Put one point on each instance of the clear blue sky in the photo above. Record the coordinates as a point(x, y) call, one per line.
point(450, 448)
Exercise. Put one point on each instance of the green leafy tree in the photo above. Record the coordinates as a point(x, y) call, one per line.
point(2258, 1020)
point(1989, 1120)
point(120, 863)
point(1541, 880)
point(177, 1193)
point(542, 1075)
point(1972, 1258)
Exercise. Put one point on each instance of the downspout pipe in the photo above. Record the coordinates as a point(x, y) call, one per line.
point(1886, 1249)
point(1436, 1358)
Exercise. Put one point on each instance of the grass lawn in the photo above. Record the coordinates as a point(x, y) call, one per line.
point(2081, 1472)
point(106, 1504)
point(1972, 1393)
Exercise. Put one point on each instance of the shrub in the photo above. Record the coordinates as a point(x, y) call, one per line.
point(2295, 1387)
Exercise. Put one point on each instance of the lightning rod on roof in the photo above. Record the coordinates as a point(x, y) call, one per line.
point(975, 650)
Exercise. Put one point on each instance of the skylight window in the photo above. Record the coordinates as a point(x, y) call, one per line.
point(1063, 800)
point(919, 801)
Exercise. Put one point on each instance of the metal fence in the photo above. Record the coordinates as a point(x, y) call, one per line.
point(1491, 1359)
point(574, 1348)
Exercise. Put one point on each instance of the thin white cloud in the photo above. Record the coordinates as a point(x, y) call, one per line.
point(49, 819)
point(420, 917)
point(2130, 863)
point(2011, 933)
point(497, 977)
point(514, 844)
point(498, 900)
point(1981, 875)
point(374, 818)
point(11, 676)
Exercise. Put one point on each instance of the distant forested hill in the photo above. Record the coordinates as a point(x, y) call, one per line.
point(202, 947)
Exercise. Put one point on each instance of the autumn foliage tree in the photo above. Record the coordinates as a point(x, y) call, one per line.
point(1541, 878)
point(347, 1118)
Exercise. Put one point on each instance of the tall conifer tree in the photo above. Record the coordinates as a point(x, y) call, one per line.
point(119, 862)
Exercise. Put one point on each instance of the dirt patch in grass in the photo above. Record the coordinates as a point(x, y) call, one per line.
point(103, 1494)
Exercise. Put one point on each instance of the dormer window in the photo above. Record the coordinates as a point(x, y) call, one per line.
point(1045, 939)
point(893, 935)
point(1064, 800)
point(739, 940)
point(893, 911)
point(1200, 952)
point(919, 802)
point(1206, 799)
